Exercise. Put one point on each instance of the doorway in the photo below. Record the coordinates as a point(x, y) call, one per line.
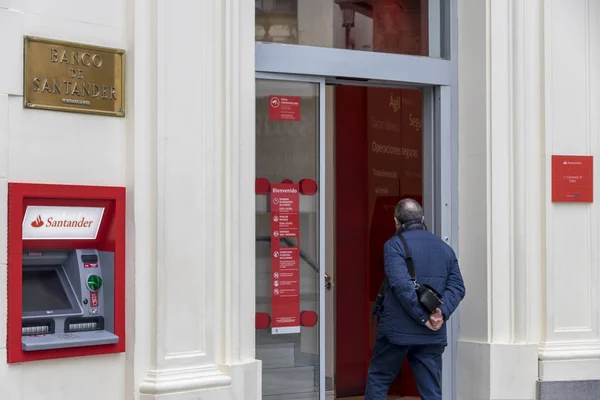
point(379, 160)
point(338, 157)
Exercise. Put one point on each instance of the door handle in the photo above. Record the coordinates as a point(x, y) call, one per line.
point(328, 283)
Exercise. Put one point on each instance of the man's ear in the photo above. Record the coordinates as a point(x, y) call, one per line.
point(423, 219)
point(397, 223)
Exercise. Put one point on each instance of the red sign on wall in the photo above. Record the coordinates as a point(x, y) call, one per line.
point(285, 258)
point(573, 179)
point(284, 108)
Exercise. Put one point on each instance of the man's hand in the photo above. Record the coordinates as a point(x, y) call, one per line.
point(430, 326)
point(436, 320)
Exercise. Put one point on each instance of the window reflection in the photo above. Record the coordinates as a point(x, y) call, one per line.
point(390, 26)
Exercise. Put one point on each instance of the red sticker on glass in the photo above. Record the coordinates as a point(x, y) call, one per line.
point(284, 108)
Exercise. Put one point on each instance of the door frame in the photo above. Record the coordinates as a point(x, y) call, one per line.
point(439, 80)
point(322, 215)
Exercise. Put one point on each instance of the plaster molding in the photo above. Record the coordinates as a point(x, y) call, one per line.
point(529, 172)
point(238, 132)
point(515, 145)
point(569, 350)
point(162, 381)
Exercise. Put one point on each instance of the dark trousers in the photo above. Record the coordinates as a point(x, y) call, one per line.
point(425, 362)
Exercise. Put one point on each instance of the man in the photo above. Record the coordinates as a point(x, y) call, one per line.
point(406, 328)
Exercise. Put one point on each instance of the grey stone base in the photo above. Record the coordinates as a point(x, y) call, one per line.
point(571, 390)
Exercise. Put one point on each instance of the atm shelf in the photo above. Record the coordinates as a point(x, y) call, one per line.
point(66, 340)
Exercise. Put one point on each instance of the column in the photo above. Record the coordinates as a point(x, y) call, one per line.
point(193, 139)
point(501, 198)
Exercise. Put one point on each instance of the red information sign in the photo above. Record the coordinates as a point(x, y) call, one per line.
point(573, 179)
point(284, 108)
point(285, 258)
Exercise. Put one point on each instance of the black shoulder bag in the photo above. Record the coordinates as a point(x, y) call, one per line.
point(429, 298)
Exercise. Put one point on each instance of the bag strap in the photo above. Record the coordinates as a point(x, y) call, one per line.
point(410, 265)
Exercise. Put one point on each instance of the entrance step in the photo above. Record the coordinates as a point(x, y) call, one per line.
point(265, 337)
point(301, 396)
point(387, 398)
point(295, 380)
point(276, 355)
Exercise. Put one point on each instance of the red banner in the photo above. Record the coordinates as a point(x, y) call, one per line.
point(285, 258)
point(573, 179)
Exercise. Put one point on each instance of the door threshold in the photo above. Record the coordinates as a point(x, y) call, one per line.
point(388, 398)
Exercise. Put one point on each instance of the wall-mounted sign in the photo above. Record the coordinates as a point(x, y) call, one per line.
point(573, 179)
point(284, 108)
point(64, 76)
point(61, 223)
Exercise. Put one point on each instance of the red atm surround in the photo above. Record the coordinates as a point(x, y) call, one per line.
point(111, 237)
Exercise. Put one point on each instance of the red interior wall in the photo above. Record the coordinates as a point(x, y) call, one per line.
point(351, 253)
point(362, 229)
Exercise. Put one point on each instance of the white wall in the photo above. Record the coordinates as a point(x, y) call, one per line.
point(53, 147)
point(528, 84)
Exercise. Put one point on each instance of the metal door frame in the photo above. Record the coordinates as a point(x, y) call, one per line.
point(439, 80)
point(322, 184)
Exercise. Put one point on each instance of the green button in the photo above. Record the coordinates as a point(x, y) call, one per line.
point(94, 283)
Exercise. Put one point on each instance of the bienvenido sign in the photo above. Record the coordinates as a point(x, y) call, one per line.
point(61, 223)
point(64, 76)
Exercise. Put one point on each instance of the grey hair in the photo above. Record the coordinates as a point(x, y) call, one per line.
point(408, 210)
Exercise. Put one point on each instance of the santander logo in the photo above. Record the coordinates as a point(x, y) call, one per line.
point(38, 222)
point(61, 223)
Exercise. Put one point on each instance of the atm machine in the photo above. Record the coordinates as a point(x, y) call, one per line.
point(66, 271)
point(67, 301)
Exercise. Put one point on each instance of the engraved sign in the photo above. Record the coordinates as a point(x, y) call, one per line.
point(73, 77)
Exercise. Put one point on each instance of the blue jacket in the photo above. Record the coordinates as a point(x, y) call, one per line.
point(402, 320)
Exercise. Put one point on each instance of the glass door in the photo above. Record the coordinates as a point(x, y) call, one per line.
point(289, 236)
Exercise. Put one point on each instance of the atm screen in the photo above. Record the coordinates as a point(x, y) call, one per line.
point(43, 290)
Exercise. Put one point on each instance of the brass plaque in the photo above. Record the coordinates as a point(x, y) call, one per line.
point(73, 77)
